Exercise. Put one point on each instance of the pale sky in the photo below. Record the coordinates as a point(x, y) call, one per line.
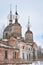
point(32, 8)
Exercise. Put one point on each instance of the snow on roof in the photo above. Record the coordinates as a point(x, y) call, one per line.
point(4, 39)
point(3, 45)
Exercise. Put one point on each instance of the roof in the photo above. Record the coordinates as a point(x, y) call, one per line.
point(6, 46)
point(16, 24)
point(5, 40)
point(28, 31)
point(8, 28)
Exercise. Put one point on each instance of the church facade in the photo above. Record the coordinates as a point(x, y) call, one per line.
point(14, 49)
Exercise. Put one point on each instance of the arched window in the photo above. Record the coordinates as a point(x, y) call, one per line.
point(23, 55)
point(6, 34)
point(23, 47)
point(6, 54)
point(14, 55)
point(27, 56)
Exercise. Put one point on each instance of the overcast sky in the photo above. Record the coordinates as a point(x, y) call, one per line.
point(26, 8)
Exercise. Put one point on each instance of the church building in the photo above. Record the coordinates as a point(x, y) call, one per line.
point(14, 49)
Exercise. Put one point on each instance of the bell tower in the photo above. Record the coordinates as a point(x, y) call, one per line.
point(29, 34)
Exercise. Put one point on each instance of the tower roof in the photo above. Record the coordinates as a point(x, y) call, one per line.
point(8, 28)
point(16, 15)
point(10, 16)
point(28, 31)
point(16, 11)
point(28, 27)
point(16, 18)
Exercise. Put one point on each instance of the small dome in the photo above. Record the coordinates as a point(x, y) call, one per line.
point(28, 31)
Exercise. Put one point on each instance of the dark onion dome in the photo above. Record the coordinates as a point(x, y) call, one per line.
point(28, 28)
point(8, 28)
point(16, 13)
point(28, 31)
